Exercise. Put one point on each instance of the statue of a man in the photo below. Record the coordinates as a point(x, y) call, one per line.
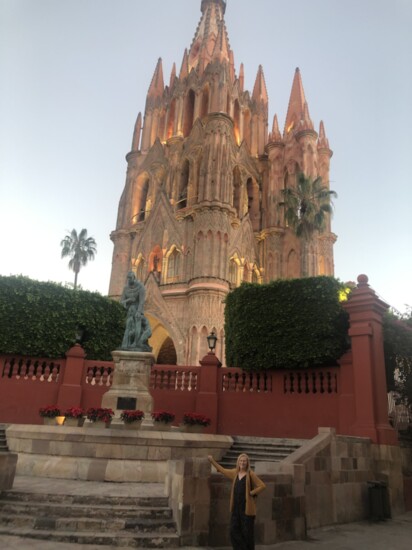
point(137, 330)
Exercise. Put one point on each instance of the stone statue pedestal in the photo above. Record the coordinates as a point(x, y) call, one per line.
point(130, 387)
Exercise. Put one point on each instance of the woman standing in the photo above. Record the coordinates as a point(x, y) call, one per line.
point(245, 488)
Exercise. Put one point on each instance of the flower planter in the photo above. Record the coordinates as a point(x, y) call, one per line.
point(49, 421)
point(132, 425)
point(74, 422)
point(162, 426)
point(192, 428)
point(101, 424)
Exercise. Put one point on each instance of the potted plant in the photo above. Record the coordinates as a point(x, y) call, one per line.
point(74, 417)
point(132, 420)
point(49, 414)
point(162, 420)
point(195, 422)
point(100, 416)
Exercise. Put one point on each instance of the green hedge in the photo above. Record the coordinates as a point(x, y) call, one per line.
point(285, 324)
point(41, 319)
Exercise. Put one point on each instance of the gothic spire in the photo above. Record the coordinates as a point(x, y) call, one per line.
point(137, 132)
point(296, 108)
point(323, 142)
point(210, 30)
point(157, 85)
point(259, 91)
point(184, 70)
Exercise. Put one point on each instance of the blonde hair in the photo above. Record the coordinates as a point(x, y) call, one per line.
point(243, 455)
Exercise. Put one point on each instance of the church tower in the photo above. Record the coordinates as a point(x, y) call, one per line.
point(200, 212)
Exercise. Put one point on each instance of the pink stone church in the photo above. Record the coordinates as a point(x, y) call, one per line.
point(200, 211)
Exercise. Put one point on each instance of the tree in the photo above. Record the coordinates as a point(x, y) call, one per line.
point(80, 248)
point(307, 206)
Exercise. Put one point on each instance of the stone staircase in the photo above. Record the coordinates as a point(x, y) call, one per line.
point(3, 440)
point(260, 449)
point(133, 522)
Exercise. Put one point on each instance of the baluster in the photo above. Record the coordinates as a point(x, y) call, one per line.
point(258, 381)
point(307, 390)
point(169, 376)
point(45, 372)
point(98, 376)
point(25, 369)
point(54, 373)
point(285, 384)
point(110, 379)
point(335, 376)
point(178, 382)
point(328, 381)
point(104, 376)
point(299, 382)
point(89, 376)
point(152, 379)
point(186, 380)
point(322, 379)
point(314, 390)
point(8, 370)
point(31, 372)
point(292, 383)
point(195, 378)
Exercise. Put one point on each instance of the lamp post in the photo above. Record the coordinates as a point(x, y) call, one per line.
point(211, 342)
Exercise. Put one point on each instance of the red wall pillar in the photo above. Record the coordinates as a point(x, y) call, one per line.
point(369, 381)
point(207, 397)
point(70, 392)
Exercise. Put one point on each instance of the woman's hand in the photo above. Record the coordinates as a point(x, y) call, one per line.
point(210, 458)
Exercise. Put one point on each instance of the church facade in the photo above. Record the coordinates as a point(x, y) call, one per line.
point(200, 211)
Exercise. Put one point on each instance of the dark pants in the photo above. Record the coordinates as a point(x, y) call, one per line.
point(242, 531)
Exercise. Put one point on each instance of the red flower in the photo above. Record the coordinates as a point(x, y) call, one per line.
point(74, 412)
point(163, 416)
point(132, 416)
point(193, 419)
point(94, 414)
point(51, 411)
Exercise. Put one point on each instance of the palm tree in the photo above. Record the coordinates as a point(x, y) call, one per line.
point(80, 248)
point(307, 207)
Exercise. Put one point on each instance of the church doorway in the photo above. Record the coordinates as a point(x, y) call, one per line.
point(163, 347)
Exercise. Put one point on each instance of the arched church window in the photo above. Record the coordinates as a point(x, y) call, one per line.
point(236, 121)
point(205, 102)
point(184, 182)
point(141, 213)
point(155, 262)
point(167, 353)
point(237, 182)
point(189, 113)
point(246, 127)
point(173, 266)
point(233, 272)
point(171, 119)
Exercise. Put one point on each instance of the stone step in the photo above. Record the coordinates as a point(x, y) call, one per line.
point(123, 539)
point(57, 510)
point(95, 500)
point(260, 449)
point(3, 439)
point(259, 452)
point(87, 525)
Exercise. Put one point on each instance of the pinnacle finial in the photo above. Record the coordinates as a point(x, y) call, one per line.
point(205, 3)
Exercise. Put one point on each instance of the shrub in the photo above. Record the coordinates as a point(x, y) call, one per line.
point(285, 324)
point(41, 319)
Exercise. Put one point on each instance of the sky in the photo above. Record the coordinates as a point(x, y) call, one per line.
point(75, 73)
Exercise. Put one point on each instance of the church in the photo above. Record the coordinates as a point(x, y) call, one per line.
point(199, 213)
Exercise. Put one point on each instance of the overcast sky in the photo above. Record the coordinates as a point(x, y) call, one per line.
point(74, 74)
